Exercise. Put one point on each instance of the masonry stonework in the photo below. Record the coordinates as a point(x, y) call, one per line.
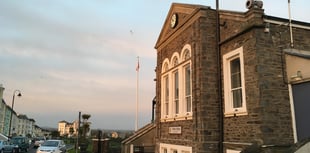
point(201, 131)
point(269, 119)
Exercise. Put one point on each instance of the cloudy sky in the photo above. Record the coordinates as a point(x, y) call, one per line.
point(67, 56)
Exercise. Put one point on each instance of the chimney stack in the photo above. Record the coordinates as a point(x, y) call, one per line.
point(254, 4)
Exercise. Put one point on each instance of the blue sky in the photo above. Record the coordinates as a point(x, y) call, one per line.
point(68, 56)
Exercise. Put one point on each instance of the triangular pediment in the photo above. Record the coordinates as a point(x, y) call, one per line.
point(184, 12)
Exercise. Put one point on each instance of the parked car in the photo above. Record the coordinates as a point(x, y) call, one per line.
point(52, 146)
point(38, 142)
point(1, 144)
point(20, 143)
point(7, 147)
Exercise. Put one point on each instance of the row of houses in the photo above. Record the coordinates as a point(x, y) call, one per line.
point(70, 129)
point(21, 125)
point(228, 82)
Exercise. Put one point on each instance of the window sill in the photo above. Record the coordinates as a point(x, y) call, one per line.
point(234, 114)
point(177, 118)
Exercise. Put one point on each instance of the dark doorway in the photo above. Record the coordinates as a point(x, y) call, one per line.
point(301, 94)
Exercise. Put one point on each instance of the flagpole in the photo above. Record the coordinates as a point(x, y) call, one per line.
point(137, 94)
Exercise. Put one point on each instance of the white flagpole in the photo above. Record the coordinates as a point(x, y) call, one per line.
point(137, 94)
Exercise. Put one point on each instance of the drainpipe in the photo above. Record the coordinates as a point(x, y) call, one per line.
point(153, 108)
point(221, 122)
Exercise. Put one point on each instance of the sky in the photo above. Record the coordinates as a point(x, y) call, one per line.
point(70, 56)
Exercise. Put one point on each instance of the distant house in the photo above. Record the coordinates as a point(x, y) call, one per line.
point(40, 132)
point(64, 128)
point(3, 126)
point(4, 118)
point(249, 89)
point(24, 125)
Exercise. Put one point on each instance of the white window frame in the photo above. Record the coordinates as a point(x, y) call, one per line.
point(166, 95)
point(165, 102)
point(229, 108)
point(176, 92)
point(232, 151)
point(176, 64)
point(171, 148)
point(174, 150)
point(185, 94)
point(163, 150)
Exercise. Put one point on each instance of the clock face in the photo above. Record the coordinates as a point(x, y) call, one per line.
point(173, 21)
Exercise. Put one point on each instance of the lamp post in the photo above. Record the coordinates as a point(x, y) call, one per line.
point(19, 95)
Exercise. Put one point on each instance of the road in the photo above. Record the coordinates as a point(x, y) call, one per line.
point(32, 149)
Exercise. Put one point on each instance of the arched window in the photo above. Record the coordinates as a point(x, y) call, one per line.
point(186, 55)
point(187, 81)
point(165, 88)
point(175, 61)
point(166, 67)
point(186, 52)
point(176, 86)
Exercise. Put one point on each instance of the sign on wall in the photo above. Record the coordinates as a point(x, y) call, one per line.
point(175, 130)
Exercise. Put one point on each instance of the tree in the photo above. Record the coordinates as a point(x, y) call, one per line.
point(85, 128)
point(85, 123)
point(71, 131)
point(85, 116)
point(55, 134)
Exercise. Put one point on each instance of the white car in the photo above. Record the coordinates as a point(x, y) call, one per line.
point(52, 146)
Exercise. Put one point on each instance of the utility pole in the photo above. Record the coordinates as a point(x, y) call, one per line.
point(78, 134)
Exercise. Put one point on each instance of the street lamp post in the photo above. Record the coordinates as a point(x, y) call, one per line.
point(19, 95)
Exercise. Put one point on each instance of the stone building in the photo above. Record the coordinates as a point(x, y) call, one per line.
point(228, 95)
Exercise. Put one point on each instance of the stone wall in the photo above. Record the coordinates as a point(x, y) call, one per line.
point(201, 132)
point(205, 85)
point(269, 120)
point(163, 135)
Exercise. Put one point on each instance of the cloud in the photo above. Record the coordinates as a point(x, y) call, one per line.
point(75, 55)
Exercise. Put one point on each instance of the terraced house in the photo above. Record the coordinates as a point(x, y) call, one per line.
point(21, 125)
point(245, 87)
